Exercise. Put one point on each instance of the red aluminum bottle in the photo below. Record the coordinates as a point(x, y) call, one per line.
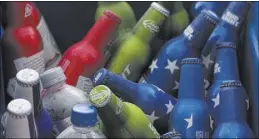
point(84, 58)
point(22, 48)
point(26, 13)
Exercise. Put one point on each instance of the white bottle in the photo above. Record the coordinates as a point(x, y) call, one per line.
point(59, 98)
point(85, 121)
point(19, 120)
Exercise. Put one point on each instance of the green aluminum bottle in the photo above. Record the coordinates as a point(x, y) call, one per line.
point(133, 53)
point(121, 119)
point(127, 16)
point(176, 22)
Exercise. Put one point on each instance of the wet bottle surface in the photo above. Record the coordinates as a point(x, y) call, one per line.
point(164, 70)
point(190, 116)
point(26, 13)
point(22, 48)
point(227, 30)
point(133, 53)
point(122, 119)
point(127, 16)
point(84, 123)
point(154, 102)
point(28, 87)
point(226, 68)
point(85, 57)
point(232, 112)
point(59, 98)
point(19, 120)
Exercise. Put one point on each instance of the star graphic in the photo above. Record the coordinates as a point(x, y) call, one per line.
point(189, 121)
point(153, 66)
point(207, 61)
point(216, 100)
point(152, 117)
point(169, 107)
point(176, 85)
point(247, 104)
point(211, 122)
point(171, 66)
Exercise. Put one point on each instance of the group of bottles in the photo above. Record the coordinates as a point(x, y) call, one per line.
point(107, 85)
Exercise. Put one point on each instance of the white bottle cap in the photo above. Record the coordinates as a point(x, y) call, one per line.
point(52, 77)
point(160, 8)
point(27, 77)
point(19, 107)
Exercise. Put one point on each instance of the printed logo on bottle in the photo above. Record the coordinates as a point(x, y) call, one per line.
point(85, 84)
point(151, 26)
point(171, 135)
point(202, 135)
point(28, 10)
point(65, 64)
point(126, 72)
point(190, 33)
point(153, 130)
point(142, 80)
point(231, 18)
point(119, 106)
point(217, 68)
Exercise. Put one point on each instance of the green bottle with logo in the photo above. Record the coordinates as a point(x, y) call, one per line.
point(176, 22)
point(121, 119)
point(133, 53)
point(127, 16)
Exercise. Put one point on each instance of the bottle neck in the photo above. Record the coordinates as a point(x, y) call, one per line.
point(234, 105)
point(226, 67)
point(84, 130)
point(149, 25)
point(101, 33)
point(198, 32)
point(192, 84)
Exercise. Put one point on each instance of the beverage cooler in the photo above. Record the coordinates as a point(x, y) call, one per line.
point(129, 69)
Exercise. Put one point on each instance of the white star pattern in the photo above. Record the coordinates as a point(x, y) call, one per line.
point(152, 117)
point(169, 107)
point(153, 66)
point(216, 100)
point(207, 61)
point(189, 121)
point(217, 68)
point(211, 122)
point(158, 89)
point(176, 85)
point(171, 66)
point(247, 104)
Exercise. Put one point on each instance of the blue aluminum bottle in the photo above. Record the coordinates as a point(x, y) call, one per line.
point(227, 30)
point(249, 64)
point(217, 7)
point(190, 116)
point(164, 70)
point(226, 68)
point(232, 112)
point(153, 101)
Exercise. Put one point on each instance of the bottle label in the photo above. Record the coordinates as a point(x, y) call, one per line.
point(190, 33)
point(119, 106)
point(202, 134)
point(151, 26)
point(231, 18)
point(65, 64)
point(154, 130)
point(84, 84)
point(61, 125)
point(126, 72)
point(51, 53)
point(142, 80)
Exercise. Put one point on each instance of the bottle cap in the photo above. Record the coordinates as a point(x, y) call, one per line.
point(112, 15)
point(160, 8)
point(100, 77)
point(211, 16)
point(52, 77)
point(191, 61)
point(225, 45)
point(84, 115)
point(19, 107)
point(230, 83)
point(100, 96)
point(27, 77)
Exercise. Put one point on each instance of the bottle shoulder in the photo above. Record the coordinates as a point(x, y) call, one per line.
point(70, 132)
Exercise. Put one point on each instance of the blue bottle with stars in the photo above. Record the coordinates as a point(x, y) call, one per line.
point(190, 116)
point(227, 30)
point(217, 7)
point(153, 101)
point(164, 70)
point(232, 112)
point(226, 68)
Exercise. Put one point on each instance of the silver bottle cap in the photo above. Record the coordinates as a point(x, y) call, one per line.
point(19, 107)
point(160, 8)
point(27, 77)
point(52, 77)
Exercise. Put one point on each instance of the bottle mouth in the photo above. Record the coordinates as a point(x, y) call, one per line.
point(160, 9)
point(112, 16)
point(191, 61)
point(225, 45)
point(100, 96)
point(233, 83)
point(211, 16)
point(27, 77)
point(19, 108)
